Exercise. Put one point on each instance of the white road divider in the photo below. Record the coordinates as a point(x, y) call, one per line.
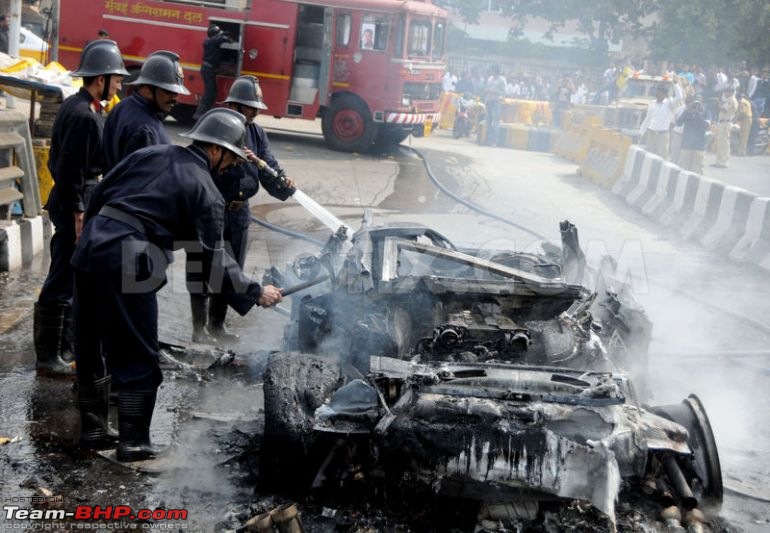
point(723, 218)
point(754, 245)
point(664, 193)
point(705, 210)
point(731, 220)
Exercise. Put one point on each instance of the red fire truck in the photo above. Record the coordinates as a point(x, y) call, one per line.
point(371, 69)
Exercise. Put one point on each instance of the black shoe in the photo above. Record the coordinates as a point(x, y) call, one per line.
point(53, 338)
point(134, 418)
point(217, 314)
point(93, 402)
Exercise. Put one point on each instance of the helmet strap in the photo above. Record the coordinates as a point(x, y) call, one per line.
point(155, 103)
point(106, 91)
point(215, 170)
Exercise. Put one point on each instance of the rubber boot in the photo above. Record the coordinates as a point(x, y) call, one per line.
point(93, 399)
point(67, 335)
point(217, 313)
point(52, 335)
point(199, 310)
point(135, 409)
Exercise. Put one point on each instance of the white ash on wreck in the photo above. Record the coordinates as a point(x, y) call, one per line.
point(494, 377)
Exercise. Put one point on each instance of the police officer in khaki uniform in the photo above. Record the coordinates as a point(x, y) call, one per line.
point(728, 107)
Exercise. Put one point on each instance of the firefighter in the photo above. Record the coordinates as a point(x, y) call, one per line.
point(75, 162)
point(239, 184)
point(137, 123)
point(156, 200)
point(212, 57)
point(138, 120)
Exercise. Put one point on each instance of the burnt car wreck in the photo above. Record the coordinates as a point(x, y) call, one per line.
point(490, 376)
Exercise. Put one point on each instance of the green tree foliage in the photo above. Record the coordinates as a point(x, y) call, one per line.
point(706, 32)
point(712, 32)
point(599, 20)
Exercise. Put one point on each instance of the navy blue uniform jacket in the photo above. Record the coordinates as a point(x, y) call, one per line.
point(76, 152)
point(242, 182)
point(212, 51)
point(133, 124)
point(170, 189)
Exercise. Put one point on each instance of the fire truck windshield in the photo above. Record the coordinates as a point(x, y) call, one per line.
point(419, 38)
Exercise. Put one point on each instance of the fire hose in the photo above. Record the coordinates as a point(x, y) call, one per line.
point(313, 207)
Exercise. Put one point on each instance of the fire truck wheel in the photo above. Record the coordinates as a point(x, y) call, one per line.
point(348, 126)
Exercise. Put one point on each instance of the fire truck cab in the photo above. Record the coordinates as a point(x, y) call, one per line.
point(370, 69)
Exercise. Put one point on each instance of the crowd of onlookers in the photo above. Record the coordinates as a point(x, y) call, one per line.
point(520, 86)
point(705, 91)
point(579, 88)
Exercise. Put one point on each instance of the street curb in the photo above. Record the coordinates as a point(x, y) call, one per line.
point(20, 241)
point(10, 246)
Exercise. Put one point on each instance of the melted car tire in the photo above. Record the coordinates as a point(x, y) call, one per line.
point(705, 463)
point(295, 385)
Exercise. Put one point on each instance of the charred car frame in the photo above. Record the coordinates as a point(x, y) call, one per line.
point(492, 376)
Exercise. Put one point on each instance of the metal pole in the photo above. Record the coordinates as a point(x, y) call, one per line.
point(14, 30)
point(54, 44)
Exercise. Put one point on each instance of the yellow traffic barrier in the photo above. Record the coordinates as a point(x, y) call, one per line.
point(447, 106)
point(606, 156)
point(520, 137)
point(530, 112)
point(589, 111)
point(516, 136)
point(45, 181)
point(574, 142)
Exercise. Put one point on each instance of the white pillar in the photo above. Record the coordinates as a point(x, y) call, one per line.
point(13, 39)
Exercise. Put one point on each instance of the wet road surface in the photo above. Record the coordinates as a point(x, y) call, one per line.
point(212, 419)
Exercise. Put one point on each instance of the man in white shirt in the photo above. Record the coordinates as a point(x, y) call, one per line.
point(660, 115)
point(494, 91)
point(754, 80)
point(513, 90)
point(448, 82)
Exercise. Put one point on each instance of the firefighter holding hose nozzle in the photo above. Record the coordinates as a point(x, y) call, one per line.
point(157, 199)
point(237, 185)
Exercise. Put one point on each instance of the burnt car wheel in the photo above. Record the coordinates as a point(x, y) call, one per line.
point(704, 469)
point(295, 385)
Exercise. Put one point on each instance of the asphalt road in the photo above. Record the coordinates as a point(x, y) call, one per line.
point(709, 316)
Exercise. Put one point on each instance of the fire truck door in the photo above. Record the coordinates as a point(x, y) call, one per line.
point(326, 56)
point(232, 53)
